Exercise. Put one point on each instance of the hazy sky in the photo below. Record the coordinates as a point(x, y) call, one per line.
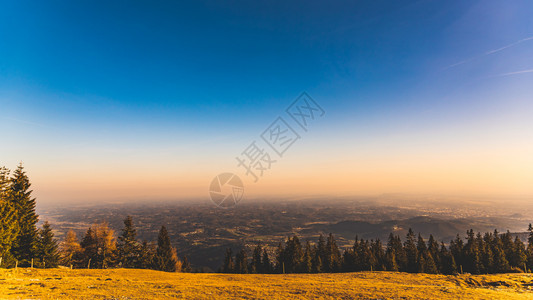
point(151, 100)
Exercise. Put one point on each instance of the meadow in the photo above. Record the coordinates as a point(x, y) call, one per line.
point(59, 283)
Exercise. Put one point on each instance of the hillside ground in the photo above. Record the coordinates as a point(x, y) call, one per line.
point(148, 284)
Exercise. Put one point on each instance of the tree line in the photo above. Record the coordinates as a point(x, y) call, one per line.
point(99, 250)
point(477, 254)
point(23, 244)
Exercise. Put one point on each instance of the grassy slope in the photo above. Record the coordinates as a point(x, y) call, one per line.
point(146, 284)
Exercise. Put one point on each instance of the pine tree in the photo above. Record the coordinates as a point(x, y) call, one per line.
point(8, 218)
point(99, 247)
point(378, 255)
point(390, 261)
point(364, 255)
point(229, 265)
point(293, 255)
point(456, 249)
point(146, 255)
point(255, 265)
point(355, 259)
point(426, 261)
point(411, 252)
point(47, 249)
point(186, 265)
point(487, 257)
point(89, 245)
point(164, 259)
point(394, 245)
point(307, 261)
point(447, 265)
point(422, 254)
point(241, 262)
point(265, 261)
point(280, 259)
point(433, 249)
point(20, 196)
point(471, 254)
point(128, 248)
point(333, 255)
point(317, 266)
point(529, 251)
point(508, 247)
point(70, 250)
point(501, 264)
point(518, 257)
point(321, 254)
point(348, 258)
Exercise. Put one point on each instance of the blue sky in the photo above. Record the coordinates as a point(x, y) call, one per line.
point(94, 85)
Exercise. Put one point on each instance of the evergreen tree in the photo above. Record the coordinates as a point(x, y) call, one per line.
point(47, 249)
point(321, 254)
point(280, 259)
point(390, 261)
point(186, 265)
point(447, 265)
point(316, 266)
point(8, 218)
point(433, 249)
point(229, 266)
point(456, 249)
point(365, 260)
point(508, 247)
point(241, 262)
point(394, 245)
point(307, 261)
point(480, 244)
point(422, 254)
point(529, 251)
point(518, 257)
point(255, 265)
point(348, 258)
point(90, 248)
point(265, 261)
point(99, 247)
point(128, 248)
point(146, 255)
point(333, 255)
point(164, 259)
point(23, 248)
point(472, 262)
point(487, 257)
point(430, 266)
point(378, 256)
point(292, 255)
point(411, 252)
point(501, 264)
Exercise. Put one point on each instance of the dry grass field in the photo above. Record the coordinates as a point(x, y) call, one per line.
point(147, 284)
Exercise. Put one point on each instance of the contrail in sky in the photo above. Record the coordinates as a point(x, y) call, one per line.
point(490, 52)
point(514, 73)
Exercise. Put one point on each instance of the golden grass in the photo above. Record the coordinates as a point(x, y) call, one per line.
point(147, 284)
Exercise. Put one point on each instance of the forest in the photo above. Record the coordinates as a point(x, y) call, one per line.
point(22, 244)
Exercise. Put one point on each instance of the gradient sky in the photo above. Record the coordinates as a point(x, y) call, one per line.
point(150, 100)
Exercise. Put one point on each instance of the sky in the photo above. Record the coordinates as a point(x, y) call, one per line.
point(108, 101)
